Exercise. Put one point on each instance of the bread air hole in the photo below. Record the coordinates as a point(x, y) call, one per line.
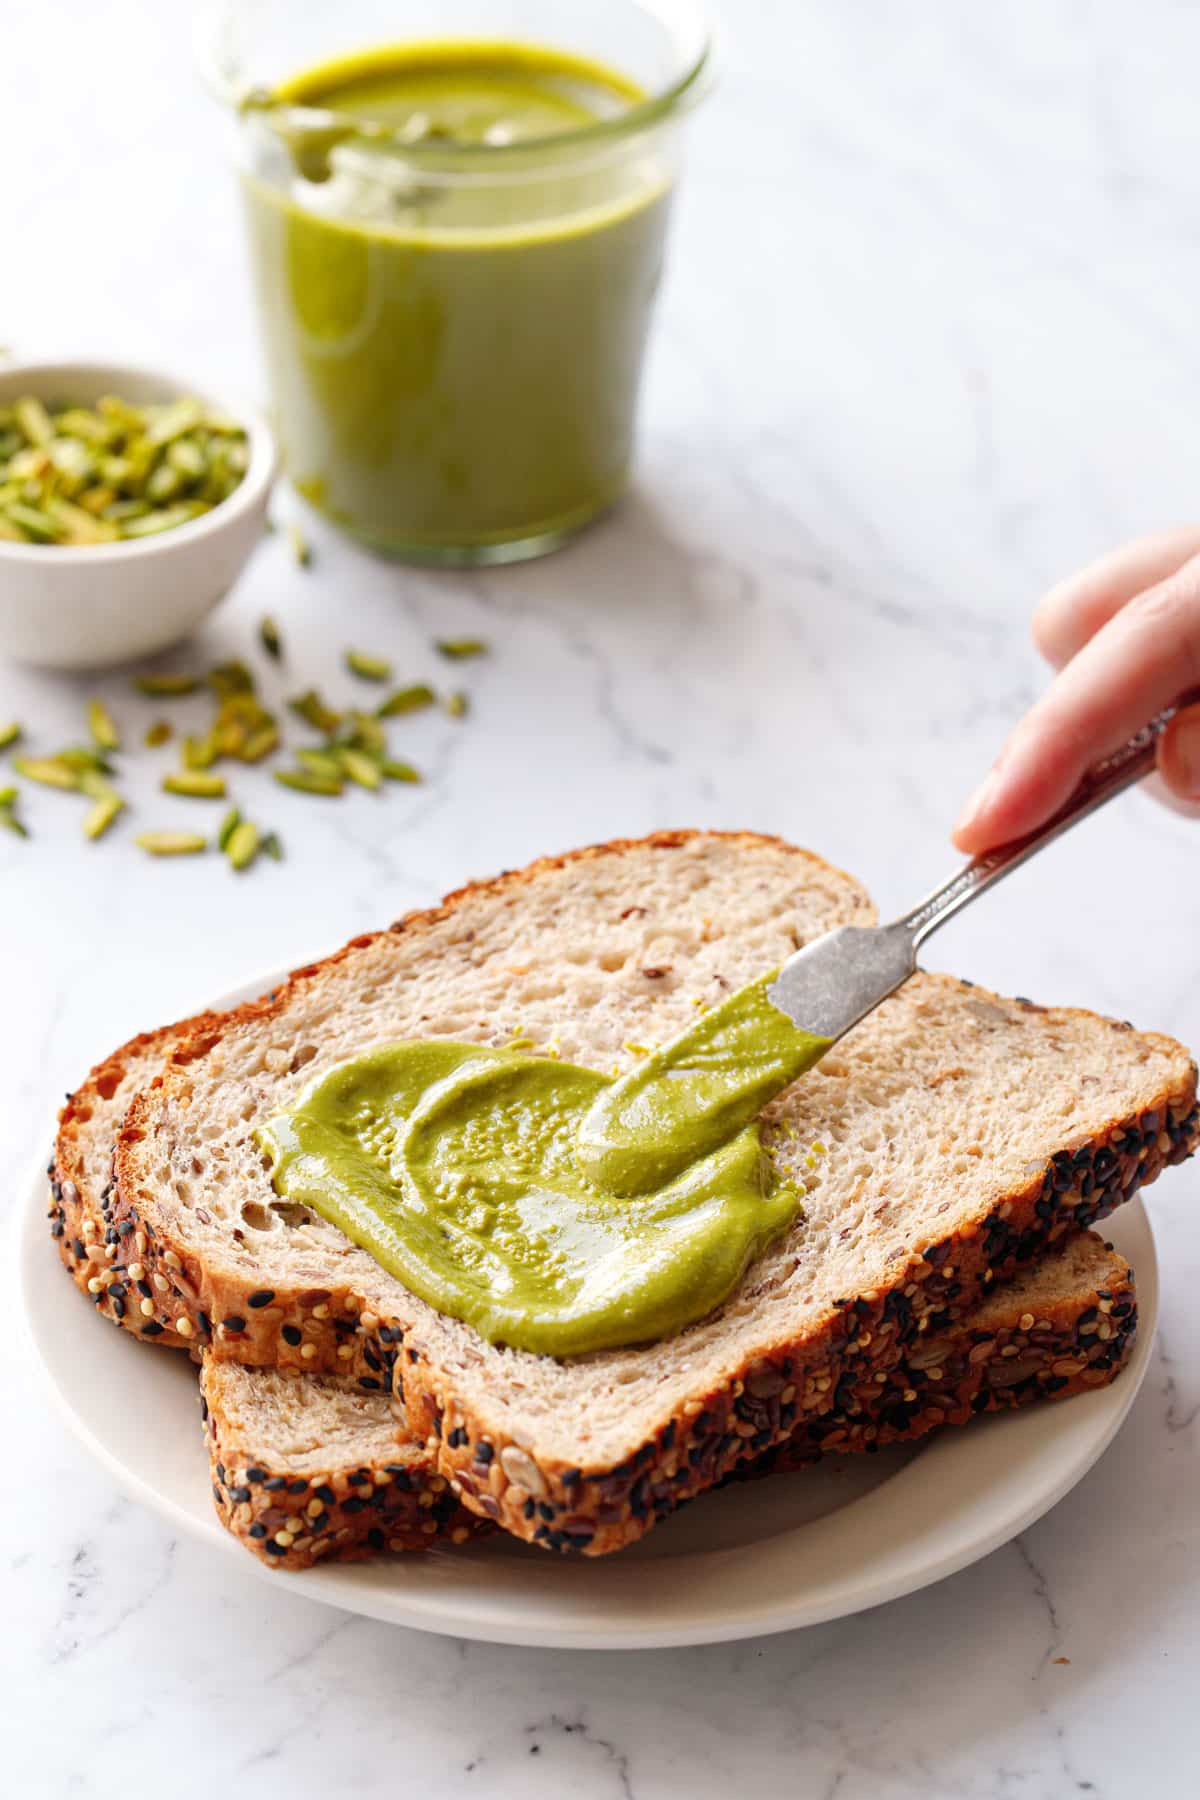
point(256, 1216)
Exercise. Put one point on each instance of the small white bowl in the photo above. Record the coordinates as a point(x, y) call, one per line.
point(66, 606)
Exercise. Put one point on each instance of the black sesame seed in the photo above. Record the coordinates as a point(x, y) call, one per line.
point(370, 1358)
point(353, 1504)
point(370, 1383)
point(234, 1322)
point(401, 1477)
point(359, 1478)
point(325, 1493)
point(375, 1538)
point(484, 1454)
point(256, 1475)
point(239, 1494)
point(118, 1307)
point(291, 1335)
point(529, 1508)
point(78, 1246)
point(274, 1549)
point(145, 1290)
point(125, 1227)
point(457, 1438)
point(276, 1482)
point(57, 1229)
point(300, 1486)
point(153, 1329)
point(261, 1297)
point(258, 1531)
point(205, 1323)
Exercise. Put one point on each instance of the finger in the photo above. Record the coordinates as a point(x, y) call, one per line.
point(1146, 655)
point(1076, 609)
point(1179, 758)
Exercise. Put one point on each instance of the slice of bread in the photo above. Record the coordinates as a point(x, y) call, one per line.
point(1062, 1327)
point(275, 1439)
point(308, 1468)
point(103, 1264)
point(945, 1143)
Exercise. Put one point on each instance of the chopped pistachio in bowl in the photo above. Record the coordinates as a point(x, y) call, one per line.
point(118, 547)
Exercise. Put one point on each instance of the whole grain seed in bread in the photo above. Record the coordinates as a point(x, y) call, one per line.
point(948, 1141)
point(308, 1468)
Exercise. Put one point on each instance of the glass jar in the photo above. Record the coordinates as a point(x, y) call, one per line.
point(454, 322)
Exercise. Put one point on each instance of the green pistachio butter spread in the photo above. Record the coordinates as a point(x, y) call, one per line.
point(550, 1207)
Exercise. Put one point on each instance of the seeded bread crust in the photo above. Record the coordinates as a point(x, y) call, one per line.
point(1065, 1328)
point(930, 1283)
point(376, 1491)
point(1022, 1345)
point(104, 1264)
point(570, 1509)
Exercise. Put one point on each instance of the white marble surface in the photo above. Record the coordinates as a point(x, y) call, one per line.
point(929, 340)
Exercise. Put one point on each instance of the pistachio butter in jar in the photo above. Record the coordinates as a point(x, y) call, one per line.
point(457, 241)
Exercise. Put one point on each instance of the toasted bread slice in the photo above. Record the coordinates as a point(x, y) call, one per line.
point(946, 1143)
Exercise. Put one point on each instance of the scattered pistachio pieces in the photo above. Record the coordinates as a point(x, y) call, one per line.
point(195, 784)
point(321, 762)
point(8, 817)
point(90, 475)
point(368, 668)
point(102, 726)
point(360, 767)
point(199, 752)
point(49, 771)
point(306, 783)
point(166, 687)
point(9, 734)
point(260, 743)
point(406, 700)
point(300, 547)
point(242, 844)
point(457, 704)
point(229, 825)
point(366, 733)
point(232, 677)
point(156, 734)
point(100, 815)
point(272, 846)
point(269, 638)
point(458, 649)
point(171, 843)
point(399, 771)
point(310, 707)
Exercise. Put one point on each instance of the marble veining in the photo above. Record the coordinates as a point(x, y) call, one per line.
point(928, 341)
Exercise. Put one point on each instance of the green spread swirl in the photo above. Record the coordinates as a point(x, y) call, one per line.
point(550, 1207)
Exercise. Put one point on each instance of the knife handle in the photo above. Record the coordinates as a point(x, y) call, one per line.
point(1131, 763)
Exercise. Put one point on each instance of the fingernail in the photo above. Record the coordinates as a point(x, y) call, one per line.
point(1186, 754)
point(979, 802)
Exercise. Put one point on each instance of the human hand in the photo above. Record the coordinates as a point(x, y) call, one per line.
point(1124, 635)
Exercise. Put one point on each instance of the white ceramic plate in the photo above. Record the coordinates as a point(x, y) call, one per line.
point(763, 1557)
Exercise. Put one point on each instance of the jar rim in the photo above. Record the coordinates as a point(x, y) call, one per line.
point(229, 85)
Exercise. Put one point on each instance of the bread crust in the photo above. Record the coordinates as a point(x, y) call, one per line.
point(348, 1512)
point(95, 1256)
point(1074, 1344)
point(859, 1342)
